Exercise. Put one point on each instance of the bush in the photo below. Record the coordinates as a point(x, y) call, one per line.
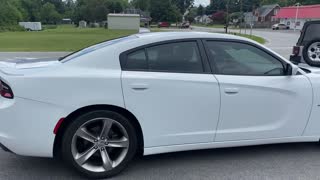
point(11, 28)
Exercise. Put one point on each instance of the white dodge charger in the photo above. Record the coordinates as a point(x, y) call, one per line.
point(155, 93)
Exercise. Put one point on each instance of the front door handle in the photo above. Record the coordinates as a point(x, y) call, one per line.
point(231, 90)
point(139, 86)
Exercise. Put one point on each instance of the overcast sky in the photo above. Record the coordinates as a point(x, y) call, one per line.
point(203, 2)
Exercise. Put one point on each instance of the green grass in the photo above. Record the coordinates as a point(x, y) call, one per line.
point(63, 38)
point(252, 37)
point(210, 25)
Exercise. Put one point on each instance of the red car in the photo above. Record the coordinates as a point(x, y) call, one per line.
point(163, 24)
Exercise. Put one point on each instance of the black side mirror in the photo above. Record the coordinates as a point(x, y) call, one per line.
point(288, 70)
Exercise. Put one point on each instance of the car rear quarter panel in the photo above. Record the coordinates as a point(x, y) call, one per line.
point(44, 95)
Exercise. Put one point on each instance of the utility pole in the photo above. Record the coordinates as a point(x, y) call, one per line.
point(297, 12)
point(241, 14)
point(227, 18)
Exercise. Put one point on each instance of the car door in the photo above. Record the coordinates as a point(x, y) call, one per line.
point(258, 99)
point(171, 91)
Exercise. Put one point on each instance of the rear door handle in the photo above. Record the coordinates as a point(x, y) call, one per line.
point(139, 86)
point(231, 90)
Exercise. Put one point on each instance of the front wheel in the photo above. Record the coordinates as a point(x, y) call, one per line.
point(99, 144)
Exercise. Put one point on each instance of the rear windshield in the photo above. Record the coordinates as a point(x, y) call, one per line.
point(96, 47)
point(312, 32)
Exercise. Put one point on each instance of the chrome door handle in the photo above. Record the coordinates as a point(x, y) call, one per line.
point(231, 90)
point(139, 87)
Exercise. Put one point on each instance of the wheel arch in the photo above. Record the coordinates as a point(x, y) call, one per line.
point(72, 116)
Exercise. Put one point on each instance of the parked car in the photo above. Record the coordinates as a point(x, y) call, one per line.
point(279, 26)
point(155, 93)
point(163, 24)
point(184, 25)
point(307, 49)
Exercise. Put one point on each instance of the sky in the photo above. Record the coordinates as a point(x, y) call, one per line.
point(203, 2)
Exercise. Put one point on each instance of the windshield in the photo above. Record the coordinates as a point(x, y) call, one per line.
point(95, 47)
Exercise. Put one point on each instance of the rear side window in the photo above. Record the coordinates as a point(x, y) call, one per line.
point(312, 32)
point(137, 60)
point(169, 57)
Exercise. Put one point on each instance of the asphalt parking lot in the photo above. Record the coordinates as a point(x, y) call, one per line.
point(282, 161)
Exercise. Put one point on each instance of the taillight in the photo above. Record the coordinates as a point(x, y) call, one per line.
point(296, 50)
point(5, 90)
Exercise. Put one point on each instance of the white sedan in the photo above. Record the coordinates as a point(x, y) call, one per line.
point(280, 26)
point(155, 93)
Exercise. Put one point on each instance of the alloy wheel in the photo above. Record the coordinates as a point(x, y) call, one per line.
point(100, 145)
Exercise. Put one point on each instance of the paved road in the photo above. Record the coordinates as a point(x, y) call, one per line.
point(284, 161)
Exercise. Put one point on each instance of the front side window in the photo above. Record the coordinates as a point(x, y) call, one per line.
point(233, 58)
point(169, 57)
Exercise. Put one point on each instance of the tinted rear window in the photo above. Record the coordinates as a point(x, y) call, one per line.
point(312, 32)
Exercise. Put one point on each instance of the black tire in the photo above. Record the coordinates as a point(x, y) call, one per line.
point(305, 54)
point(78, 122)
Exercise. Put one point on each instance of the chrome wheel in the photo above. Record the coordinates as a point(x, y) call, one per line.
point(100, 145)
point(314, 52)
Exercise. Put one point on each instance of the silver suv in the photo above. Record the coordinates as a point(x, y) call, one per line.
point(307, 49)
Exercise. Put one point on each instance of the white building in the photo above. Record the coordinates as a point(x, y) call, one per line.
point(31, 26)
point(124, 21)
point(203, 19)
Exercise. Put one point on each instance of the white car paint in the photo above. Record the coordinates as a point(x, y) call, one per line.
point(176, 111)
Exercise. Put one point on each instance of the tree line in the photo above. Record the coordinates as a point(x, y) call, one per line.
point(52, 11)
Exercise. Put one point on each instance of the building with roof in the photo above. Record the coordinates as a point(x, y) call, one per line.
point(266, 13)
point(287, 15)
point(124, 21)
point(262, 17)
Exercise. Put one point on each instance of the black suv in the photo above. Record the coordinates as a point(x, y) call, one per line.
point(307, 49)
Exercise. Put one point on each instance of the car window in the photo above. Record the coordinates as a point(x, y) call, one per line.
point(232, 58)
point(170, 57)
point(175, 57)
point(312, 32)
point(137, 60)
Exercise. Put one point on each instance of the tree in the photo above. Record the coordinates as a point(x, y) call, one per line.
point(200, 10)
point(164, 10)
point(219, 16)
point(49, 15)
point(144, 5)
point(58, 4)
point(192, 14)
point(183, 5)
point(9, 13)
point(32, 9)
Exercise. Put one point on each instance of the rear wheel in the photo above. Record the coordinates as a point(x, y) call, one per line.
point(99, 144)
point(311, 53)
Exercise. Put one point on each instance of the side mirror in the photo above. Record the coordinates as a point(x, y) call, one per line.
point(291, 69)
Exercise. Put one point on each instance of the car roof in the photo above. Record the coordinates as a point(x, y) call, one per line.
point(186, 35)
